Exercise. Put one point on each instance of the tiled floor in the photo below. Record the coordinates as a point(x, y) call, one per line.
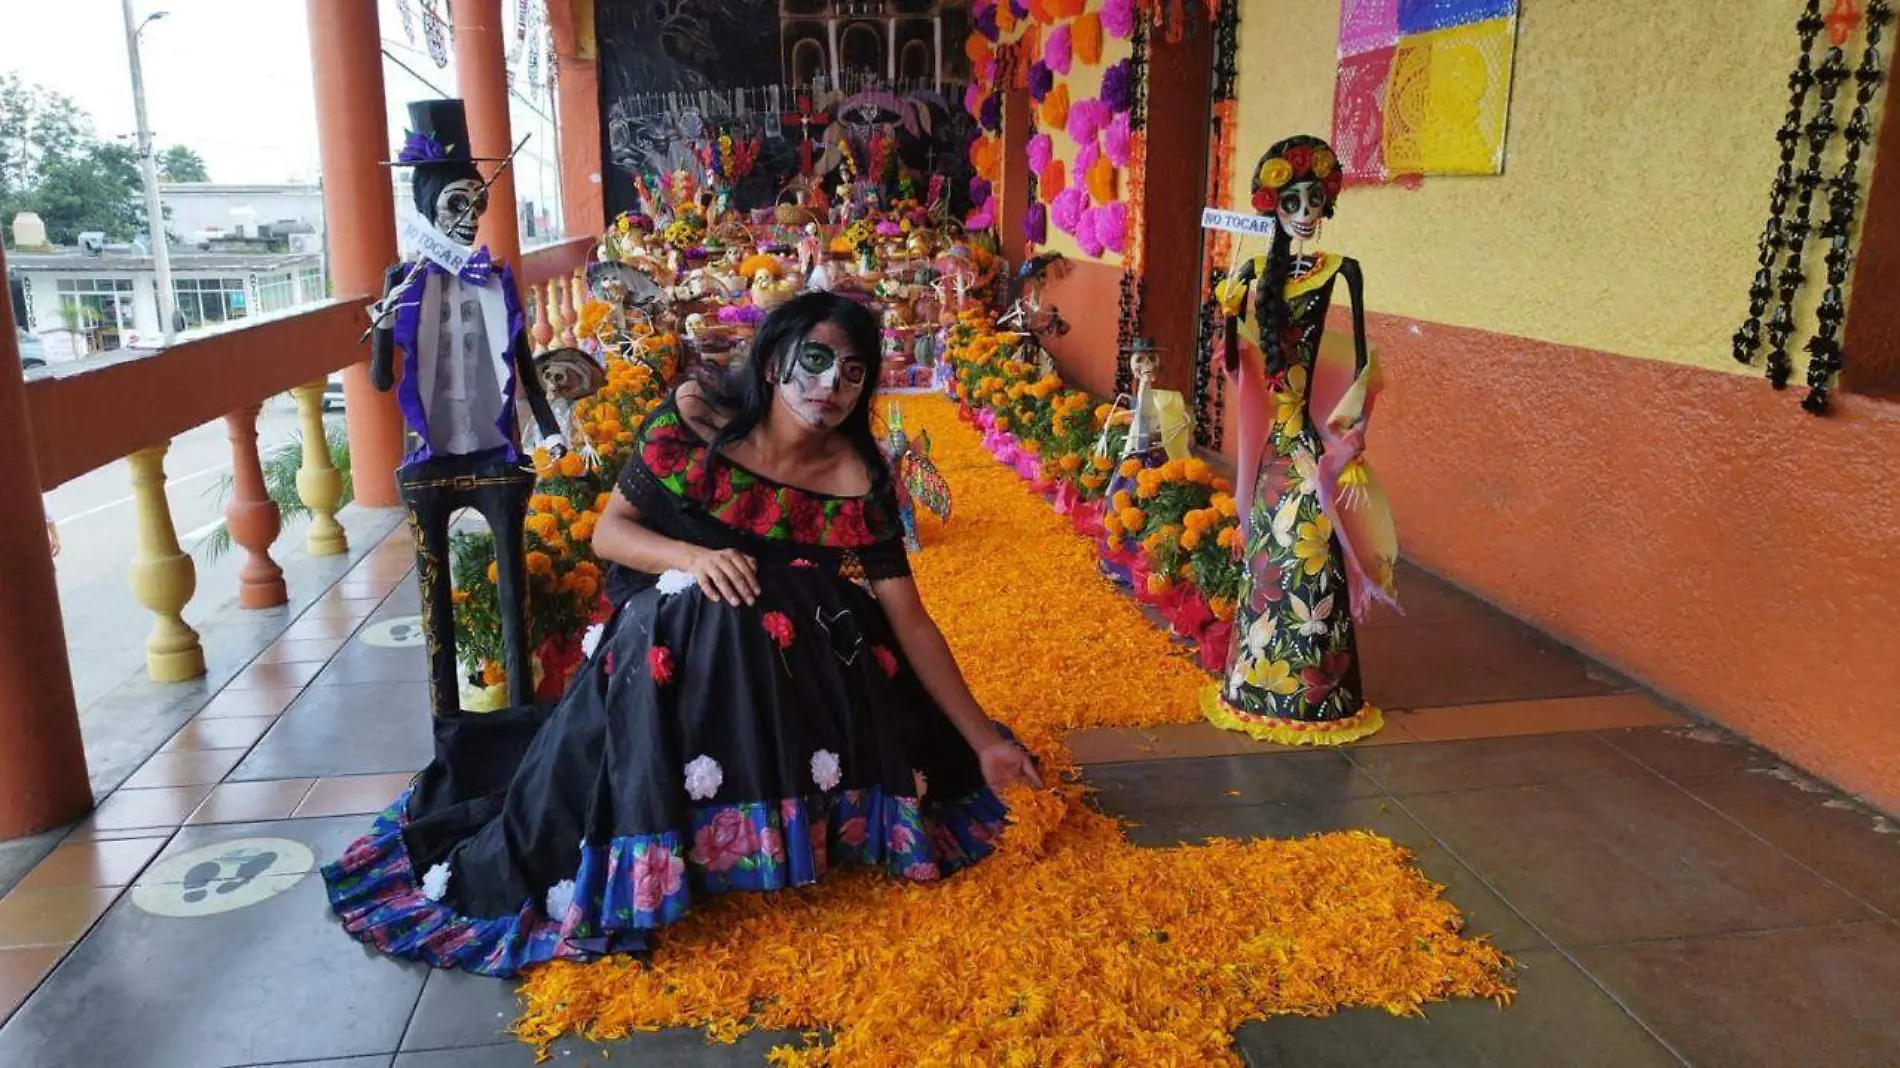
point(1671, 895)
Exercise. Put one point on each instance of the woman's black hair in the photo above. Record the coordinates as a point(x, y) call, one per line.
point(743, 395)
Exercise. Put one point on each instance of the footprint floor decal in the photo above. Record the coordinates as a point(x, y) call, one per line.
point(222, 876)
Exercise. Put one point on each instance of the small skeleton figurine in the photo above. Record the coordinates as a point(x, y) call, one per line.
point(570, 376)
point(464, 351)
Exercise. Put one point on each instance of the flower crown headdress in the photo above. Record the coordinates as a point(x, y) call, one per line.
point(1299, 159)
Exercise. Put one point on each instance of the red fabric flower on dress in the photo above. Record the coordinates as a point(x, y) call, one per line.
point(660, 662)
point(848, 527)
point(755, 510)
point(807, 516)
point(886, 660)
point(667, 451)
point(779, 626)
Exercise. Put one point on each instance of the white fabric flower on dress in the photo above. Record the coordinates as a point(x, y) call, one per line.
point(703, 777)
point(675, 581)
point(591, 640)
point(824, 769)
point(560, 899)
point(436, 883)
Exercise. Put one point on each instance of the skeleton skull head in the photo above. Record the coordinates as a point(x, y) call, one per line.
point(458, 207)
point(1300, 207)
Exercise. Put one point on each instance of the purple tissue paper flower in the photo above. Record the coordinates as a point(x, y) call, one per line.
point(1067, 207)
point(992, 116)
point(1041, 80)
point(1039, 151)
point(986, 20)
point(979, 190)
point(1019, 8)
point(1118, 86)
point(1086, 235)
point(1059, 51)
point(1118, 140)
point(1086, 119)
point(1036, 224)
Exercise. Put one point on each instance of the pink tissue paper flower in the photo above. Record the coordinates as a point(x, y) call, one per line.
point(1039, 150)
point(1118, 140)
point(1057, 50)
point(1066, 210)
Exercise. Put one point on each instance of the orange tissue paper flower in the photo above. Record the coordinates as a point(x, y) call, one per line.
point(1054, 179)
point(1101, 179)
point(1055, 108)
point(1085, 35)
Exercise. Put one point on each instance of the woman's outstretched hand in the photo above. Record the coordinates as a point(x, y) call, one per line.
point(726, 575)
point(1007, 764)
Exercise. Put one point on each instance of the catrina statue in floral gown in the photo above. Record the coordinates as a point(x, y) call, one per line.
point(1318, 539)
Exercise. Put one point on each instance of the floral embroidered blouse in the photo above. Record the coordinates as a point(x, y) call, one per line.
point(686, 491)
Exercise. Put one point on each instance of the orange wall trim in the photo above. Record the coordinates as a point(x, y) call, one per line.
point(1695, 530)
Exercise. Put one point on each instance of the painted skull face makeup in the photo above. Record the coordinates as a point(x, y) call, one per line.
point(459, 207)
point(1301, 207)
point(819, 384)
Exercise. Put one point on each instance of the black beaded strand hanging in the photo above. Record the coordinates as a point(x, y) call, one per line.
point(1825, 358)
point(1819, 131)
point(1774, 237)
point(1210, 389)
point(1129, 325)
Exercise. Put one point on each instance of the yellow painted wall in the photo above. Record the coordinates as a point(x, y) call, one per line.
point(1638, 157)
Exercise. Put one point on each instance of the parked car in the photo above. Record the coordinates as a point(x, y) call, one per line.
point(32, 352)
point(333, 393)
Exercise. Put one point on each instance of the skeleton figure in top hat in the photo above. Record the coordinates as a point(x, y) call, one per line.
point(462, 335)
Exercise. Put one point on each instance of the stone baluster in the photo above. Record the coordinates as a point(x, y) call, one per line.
point(253, 519)
point(163, 577)
point(319, 483)
point(562, 330)
point(540, 332)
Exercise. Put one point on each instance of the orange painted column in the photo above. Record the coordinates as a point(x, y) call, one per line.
point(577, 110)
point(353, 138)
point(482, 77)
point(42, 760)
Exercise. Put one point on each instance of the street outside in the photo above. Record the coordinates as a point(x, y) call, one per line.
point(97, 522)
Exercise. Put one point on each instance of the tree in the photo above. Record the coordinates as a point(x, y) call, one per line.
point(52, 163)
point(180, 163)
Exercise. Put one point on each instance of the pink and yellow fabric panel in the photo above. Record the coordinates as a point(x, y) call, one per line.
point(1424, 87)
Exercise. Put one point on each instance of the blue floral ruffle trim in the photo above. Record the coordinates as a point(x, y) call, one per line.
point(631, 885)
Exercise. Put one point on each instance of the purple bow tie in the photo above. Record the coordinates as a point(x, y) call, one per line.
point(476, 272)
point(479, 268)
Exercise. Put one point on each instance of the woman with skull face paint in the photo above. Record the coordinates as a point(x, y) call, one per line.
point(770, 698)
point(1317, 538)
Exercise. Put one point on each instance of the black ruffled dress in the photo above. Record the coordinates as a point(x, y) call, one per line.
point(702, 748)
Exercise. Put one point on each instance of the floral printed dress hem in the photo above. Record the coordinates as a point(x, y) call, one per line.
point(1363, 724)
point(621, 892)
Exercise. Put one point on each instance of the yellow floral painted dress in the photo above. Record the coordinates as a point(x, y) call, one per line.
point(1293, 669)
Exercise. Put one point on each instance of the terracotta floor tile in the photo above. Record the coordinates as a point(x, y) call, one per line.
point(352, 795)
point(1169, 741)
point(251, 802)
point(21, 970)
point(234, 732)
point(93, 863)
point(163, 808)
point(1609, 712)
point(55, 917)
point(301, 651)
point(357, 589)
point(275, 676)
point(188, 768)
point(335, 608)
point(249, 704)
point(320, 627)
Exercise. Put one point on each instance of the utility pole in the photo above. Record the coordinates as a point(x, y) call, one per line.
point(148, 165)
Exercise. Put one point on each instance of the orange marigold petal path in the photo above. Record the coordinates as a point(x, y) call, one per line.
point(1070, 946)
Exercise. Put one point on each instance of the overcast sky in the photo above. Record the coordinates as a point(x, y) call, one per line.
point(230, 78)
